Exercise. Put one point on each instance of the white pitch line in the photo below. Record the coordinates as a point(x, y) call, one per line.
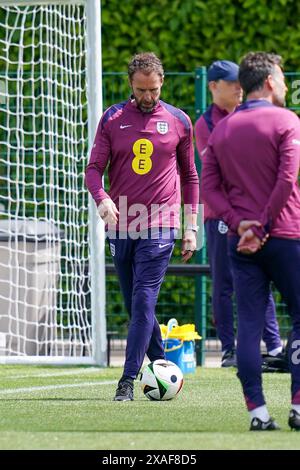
point(55, 374)
point(9, 391)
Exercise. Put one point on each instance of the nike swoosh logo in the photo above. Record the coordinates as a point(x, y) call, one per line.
point(162, 246)
point(124, 127)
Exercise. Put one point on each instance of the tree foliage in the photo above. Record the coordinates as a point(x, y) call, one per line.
point(189, 33)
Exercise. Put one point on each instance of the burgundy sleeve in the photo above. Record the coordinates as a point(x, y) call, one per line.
point(99, 158)
point(212, 192)
point(188, 173)
point(202, 135)
point(288, 171)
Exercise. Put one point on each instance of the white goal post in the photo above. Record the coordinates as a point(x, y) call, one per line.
point(52, 257)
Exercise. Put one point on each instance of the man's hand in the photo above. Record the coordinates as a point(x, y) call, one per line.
point(188, 245)
point(249, 243)
point(246, 224)
point(108, 211)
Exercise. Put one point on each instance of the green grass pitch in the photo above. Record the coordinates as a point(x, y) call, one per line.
point(72, 408)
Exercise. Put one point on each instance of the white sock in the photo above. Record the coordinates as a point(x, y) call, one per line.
point(260, 412)
point(275, 351)
point(296, 408)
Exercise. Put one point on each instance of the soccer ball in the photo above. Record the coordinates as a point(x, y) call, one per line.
point(161, 380)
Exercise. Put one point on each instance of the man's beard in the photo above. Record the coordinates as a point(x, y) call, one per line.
point(146, 109)
point(279, 101)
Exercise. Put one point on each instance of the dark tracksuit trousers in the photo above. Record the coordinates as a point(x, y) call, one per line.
point(141, 265)
point(277, 261)
point(222, 302)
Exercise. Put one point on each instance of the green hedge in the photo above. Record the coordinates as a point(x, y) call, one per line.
point(189, 33)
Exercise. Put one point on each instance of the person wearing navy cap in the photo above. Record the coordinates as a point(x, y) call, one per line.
point(227, 94)
point(250, 178)
point(223, 70)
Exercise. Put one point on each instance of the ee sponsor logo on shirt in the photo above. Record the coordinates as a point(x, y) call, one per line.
point(142, 163)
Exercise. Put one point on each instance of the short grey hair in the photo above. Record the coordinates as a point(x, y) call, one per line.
point(146, 62)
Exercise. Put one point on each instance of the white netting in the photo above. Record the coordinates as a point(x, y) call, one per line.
point(44, 283)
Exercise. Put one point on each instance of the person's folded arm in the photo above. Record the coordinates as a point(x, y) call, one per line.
point(288, 171)
point(99, 158)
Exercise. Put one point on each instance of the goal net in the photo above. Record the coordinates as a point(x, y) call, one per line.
point(45, 283)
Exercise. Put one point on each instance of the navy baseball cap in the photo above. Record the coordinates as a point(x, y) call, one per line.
point(223, 70)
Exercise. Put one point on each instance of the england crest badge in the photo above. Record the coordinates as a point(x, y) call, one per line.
point(162, 127)
point(222, 228)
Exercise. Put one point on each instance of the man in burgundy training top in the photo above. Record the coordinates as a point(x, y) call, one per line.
point(250, 178)
point(227, 94)
point(148, 147)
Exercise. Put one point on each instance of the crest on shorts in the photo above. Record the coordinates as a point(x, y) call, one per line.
point(222, 228)
point(162, 127)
